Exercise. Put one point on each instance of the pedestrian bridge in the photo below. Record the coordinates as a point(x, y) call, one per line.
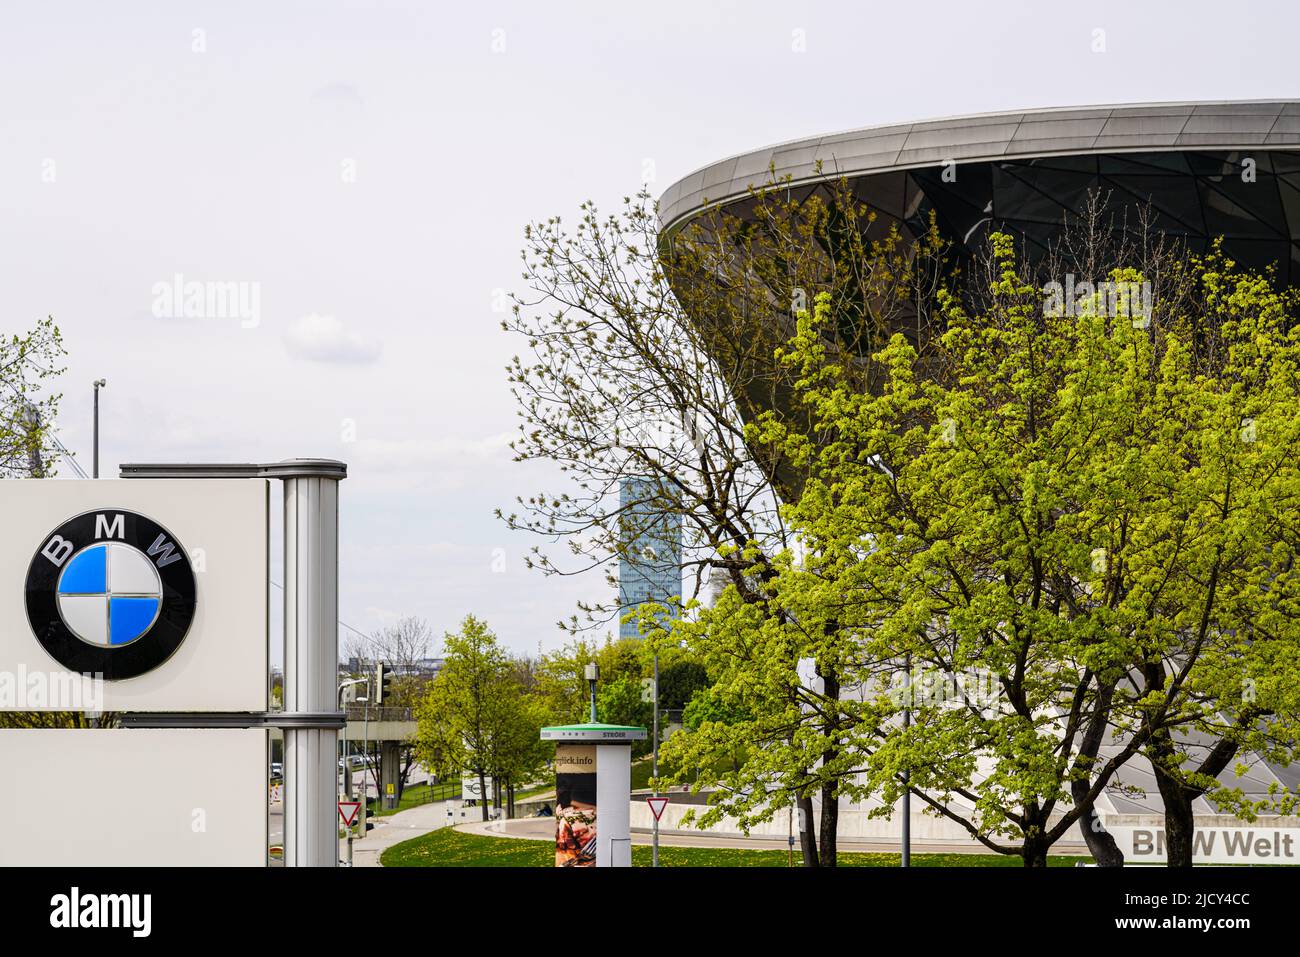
point(384, 724)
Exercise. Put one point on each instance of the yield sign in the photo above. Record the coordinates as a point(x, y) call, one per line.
point(657, 806)
point(348, 811)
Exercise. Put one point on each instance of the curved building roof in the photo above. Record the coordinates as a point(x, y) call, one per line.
point(1230, 125)
point(1028, 168)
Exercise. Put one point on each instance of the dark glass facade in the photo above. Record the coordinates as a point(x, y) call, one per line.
point(1195, 196)
point(1250, 199)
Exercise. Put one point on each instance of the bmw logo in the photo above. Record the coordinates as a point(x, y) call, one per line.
point(110, 592)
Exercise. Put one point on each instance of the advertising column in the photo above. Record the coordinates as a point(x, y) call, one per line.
point(593, 793)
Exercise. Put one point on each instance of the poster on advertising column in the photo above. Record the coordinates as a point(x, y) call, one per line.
point(575, 805)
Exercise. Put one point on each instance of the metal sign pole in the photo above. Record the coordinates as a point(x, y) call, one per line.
point(311, 643)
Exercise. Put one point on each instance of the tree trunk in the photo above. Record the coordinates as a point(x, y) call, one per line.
point(1034, 853)
point(1105, 851)
point(830, 822)
point(1180, 820)
point(408, 762)
point(1180, 826)
point(1034, 850)
point(482, 793)
point(830, 825)
point(807, 836)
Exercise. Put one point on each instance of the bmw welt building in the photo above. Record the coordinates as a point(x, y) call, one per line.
point(1205, 170)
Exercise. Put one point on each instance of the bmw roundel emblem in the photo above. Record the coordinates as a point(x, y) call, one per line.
point(110, 592)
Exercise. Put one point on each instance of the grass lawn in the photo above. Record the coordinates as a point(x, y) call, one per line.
point(535, 789)
point(451, 848)
point(414, 795)
point(641, 774)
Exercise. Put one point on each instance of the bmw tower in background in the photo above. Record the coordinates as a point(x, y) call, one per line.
point(650, 563)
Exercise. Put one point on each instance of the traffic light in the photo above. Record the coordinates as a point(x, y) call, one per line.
point(382, 678)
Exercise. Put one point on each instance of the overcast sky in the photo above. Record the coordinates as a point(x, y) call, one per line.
point(370, 167)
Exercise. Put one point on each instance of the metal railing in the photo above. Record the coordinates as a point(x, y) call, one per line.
point(357, 712)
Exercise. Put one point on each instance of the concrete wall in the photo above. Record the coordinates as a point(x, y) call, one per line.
point(855, 824)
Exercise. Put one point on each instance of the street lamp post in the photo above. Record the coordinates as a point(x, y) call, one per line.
point(906, 856)
point(789, 837)
point(365, 760)
point(344, 772)
point(343, 742)
point(592, 673)
point(365, 735)
point(98, 384)
point(654, 760)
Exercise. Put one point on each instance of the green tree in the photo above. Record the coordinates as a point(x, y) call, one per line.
point(1090, 511)
point(517, 751)
point(761, 738)
point(623, 701)
point(468, 708)
point(679, 682)
point(706, 706)
point(561, 680)
point(709, 709)
point(29, 364)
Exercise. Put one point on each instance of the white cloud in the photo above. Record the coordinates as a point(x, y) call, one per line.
point(320, 338)
point(339, 95)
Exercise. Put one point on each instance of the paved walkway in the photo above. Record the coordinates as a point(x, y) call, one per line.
point(400, 827)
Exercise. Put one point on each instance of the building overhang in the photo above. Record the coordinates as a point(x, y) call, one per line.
point(988, 137)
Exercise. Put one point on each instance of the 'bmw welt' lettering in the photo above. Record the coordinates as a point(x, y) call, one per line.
point(1215, 845)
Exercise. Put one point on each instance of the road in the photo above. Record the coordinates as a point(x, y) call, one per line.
point(417, 824)
point(403, 826)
